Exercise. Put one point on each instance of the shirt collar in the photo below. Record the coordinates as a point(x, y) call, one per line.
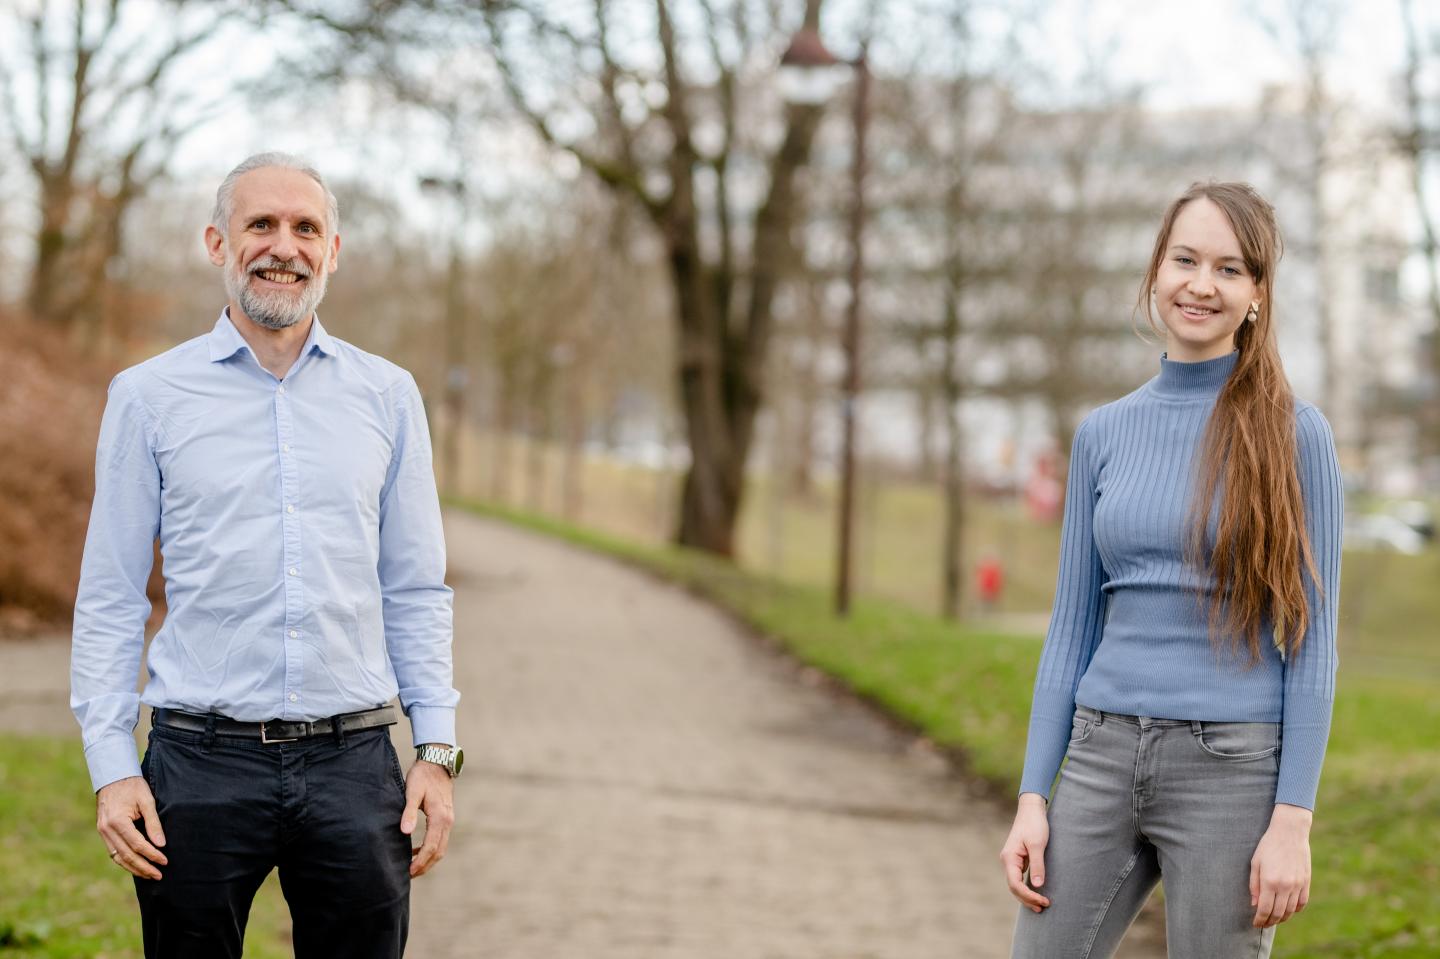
point(226, 341)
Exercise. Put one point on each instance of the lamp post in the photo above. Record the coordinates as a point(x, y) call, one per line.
point(808, 75)
point(456, 373)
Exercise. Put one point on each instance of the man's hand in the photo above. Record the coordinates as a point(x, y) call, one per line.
point(1025, 850)
point(428, 789)
point(1280, 868)
point(117, 807)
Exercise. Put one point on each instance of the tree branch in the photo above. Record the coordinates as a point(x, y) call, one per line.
point(620, 175)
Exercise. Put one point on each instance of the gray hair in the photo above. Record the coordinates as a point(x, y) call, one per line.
point(225, 196)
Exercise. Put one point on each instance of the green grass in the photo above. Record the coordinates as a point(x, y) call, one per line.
point(59, 896)
point(1386, 602)
point(1376, 888)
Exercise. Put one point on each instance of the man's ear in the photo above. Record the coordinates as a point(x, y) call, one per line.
point(333, 263)
point(215, 245)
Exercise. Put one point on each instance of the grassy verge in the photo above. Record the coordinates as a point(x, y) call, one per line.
point(59, 895)
point(1377, 881)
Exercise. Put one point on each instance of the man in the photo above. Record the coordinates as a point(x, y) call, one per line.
point(287, 475)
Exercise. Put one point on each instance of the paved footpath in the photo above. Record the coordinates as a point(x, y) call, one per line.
point(646, 781)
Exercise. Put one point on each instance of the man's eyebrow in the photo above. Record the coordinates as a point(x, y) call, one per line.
point(1182, 248)
point(296, 217)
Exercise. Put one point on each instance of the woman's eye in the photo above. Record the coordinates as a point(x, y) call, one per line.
point(1184, 260)
point(1231, 271)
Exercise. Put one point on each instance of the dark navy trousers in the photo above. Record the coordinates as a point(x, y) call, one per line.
point(323, 811)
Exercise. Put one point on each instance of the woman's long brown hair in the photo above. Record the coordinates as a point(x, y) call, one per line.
point(1260, 555)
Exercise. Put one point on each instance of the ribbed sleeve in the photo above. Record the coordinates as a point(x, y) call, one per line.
point(1310, 674)
point(1076, 620)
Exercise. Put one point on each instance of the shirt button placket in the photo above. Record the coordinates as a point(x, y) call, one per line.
point(290, 535)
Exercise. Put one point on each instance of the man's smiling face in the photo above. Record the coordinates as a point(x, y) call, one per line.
point(277, 251)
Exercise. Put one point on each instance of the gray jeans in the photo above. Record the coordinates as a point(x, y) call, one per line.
point(1143, 798)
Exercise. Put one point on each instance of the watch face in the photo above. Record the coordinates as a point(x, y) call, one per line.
point(459, 761)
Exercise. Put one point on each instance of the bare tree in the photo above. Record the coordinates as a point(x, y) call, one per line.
point(970, 136)
point(1419, 140)
point(1309, 29)
point(649, 99)
point(97, 118)
point(724, 305)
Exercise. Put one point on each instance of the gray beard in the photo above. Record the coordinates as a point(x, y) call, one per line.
point(275, 309)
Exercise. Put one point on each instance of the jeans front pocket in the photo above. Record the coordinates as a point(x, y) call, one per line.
point(1082, 725)
point(395, 772)
point(1237, 742)
point(148, 763)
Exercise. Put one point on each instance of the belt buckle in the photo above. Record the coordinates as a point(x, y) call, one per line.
point(266, 739)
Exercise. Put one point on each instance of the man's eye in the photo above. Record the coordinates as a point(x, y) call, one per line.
point(306, 228)
point(260, 225)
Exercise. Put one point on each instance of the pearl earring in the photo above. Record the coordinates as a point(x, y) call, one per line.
point(1252, 314)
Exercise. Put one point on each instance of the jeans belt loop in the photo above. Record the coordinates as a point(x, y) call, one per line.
point(209, 741)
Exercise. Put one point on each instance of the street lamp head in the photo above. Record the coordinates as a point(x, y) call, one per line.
point(807, 50)
point(809, 72)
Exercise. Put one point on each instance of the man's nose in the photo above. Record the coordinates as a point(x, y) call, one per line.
point(283, 244)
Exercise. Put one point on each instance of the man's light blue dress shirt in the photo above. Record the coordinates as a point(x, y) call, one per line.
point(303, 552)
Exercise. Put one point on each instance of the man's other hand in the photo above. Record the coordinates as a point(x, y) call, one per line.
point(428, 789)
point(118, 807)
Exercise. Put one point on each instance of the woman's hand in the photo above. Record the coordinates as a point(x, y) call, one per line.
point(1280, 868)
point(1025, 849)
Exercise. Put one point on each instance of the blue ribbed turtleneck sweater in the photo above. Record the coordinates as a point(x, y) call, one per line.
point(1126, 632)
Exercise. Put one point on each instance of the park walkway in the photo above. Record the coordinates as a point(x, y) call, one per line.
point(645, 781)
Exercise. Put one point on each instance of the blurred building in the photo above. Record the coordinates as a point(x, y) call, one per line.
point(1044, 222)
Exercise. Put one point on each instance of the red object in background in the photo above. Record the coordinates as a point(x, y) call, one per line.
point(989, 580)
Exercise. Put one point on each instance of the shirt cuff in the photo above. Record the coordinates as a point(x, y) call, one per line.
point(111, 759)
point(432, 724)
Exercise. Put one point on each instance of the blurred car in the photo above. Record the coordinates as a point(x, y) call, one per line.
point(1383, 532)
point(1417, 515)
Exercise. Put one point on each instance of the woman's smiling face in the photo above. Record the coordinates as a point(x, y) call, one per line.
point(1203, 287)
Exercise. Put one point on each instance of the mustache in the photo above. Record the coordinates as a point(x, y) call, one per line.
point(275, 263)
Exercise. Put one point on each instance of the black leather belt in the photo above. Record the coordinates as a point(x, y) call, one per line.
point(274, 730)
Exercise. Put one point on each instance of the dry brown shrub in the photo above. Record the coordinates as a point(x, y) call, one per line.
point(51, 399)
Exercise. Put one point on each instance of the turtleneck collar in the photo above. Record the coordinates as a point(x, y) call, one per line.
point(1194, 380)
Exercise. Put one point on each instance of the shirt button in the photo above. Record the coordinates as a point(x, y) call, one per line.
point(294, 633)
point(293, 697)
point(289, 509)
point(282, 388)
point(294, 571)
point(285, 447)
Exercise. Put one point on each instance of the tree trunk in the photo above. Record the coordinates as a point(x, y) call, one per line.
point(953, 560)
point(722, 373)
point(50, 242)
point(504, 433)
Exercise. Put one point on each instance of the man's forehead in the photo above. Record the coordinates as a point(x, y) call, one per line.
point(279, 190)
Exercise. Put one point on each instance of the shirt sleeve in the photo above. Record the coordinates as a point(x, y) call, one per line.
point(416, 603)
point(1076, 621)
point(111, 606)
point(1310, 673)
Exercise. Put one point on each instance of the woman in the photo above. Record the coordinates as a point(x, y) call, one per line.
point(1189, 670)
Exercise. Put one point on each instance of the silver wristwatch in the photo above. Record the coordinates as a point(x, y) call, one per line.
point(451, 757)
